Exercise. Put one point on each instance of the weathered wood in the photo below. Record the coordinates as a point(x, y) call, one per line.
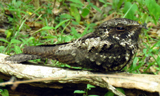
point(35, 73)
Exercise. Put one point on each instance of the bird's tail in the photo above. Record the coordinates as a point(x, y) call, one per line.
point(22, 57)
point(62, 53)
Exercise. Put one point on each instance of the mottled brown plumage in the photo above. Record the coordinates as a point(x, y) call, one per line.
point(109, 48)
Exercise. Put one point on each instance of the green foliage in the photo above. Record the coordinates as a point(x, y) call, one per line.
point(79, 91)
point(153, 9)
point(2, 48)
point(146, 9)
point(89, 86)
point(85, 93)
point(4, 92)
point(109, 93)
point(117, 4)
point(85, 11)
point(130, 10)
point(76, 3)
point(74, 12)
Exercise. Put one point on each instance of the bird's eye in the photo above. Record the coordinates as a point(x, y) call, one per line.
point(120, 28)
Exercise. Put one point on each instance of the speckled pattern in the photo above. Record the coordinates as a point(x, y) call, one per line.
point(109, 48)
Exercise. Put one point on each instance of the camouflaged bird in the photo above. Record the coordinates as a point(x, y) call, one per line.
point(109, 48)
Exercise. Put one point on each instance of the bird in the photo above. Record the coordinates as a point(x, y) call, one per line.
point(109, 48)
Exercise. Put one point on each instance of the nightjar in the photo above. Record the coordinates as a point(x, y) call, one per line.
point(109, 48)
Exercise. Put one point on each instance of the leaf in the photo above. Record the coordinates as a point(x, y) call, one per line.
point(158, 60)
point(89, 86)
point(75, 13)
point(75, 23)
point(109, 93)
point(103, 1)
point(76, 3)
point(121, 90)
point(14, 41)
point(85, 12)
point(68, 38)
point(4, 40)
point(92, 5)
point(129, 10)
point(17, 49)
point(47, 27)
point(117, 4)
point(49, 37)
point(5, 92)
point(61, 23)
point(66, 16)
point(134, 62)
point(75, 33)
point(145, 52)
point(9, 33)
point(2, 48)
point(79, 91)
point(153, 8)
